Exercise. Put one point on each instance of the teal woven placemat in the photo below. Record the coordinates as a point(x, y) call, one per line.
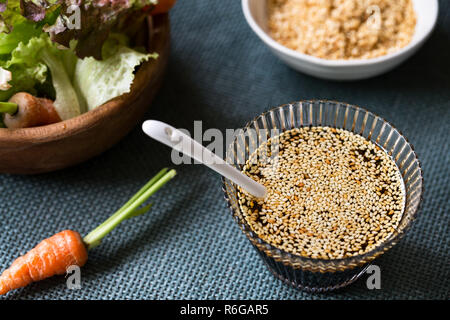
point(188, 246)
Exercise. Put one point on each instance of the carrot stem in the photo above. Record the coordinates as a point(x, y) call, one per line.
point(130, 209)
point(158, 176)
point(140, 211)
point(8, 107)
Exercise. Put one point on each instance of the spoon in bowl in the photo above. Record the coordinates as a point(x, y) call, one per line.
point(181, 142)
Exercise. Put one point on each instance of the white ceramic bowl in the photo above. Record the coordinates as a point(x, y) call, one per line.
point(255, 12)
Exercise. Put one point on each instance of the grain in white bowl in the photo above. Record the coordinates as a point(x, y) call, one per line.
point(342, 29)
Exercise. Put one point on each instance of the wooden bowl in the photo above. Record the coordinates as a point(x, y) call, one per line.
point(63, 144)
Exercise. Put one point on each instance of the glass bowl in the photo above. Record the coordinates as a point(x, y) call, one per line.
point(320, 275)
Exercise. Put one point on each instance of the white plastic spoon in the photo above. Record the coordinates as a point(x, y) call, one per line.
point(181, 142)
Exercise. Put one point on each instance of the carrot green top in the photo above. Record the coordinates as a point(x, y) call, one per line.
point(130, 209)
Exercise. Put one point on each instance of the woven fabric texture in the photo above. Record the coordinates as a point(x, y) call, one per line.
point(188, 246)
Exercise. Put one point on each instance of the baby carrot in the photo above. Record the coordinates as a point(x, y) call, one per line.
point(50, 257)
point(54, 255)
point(24, 110)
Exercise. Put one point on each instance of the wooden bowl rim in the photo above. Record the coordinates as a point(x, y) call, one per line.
point(91, 118)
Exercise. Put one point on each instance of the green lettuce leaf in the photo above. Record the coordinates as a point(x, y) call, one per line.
point(29, 63)
point(15, 28)
point(23, 78)
point(100, 81)
point(26, 74)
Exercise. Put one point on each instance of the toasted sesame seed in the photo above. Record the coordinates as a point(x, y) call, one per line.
point(331, 193)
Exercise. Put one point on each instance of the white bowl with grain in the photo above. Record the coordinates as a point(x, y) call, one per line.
point(256, 14)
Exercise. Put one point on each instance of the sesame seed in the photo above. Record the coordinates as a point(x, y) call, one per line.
point(330, 193)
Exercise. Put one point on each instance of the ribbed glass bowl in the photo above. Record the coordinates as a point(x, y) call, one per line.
point(319, 275)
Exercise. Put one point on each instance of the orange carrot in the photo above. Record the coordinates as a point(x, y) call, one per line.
point(54, 255)
point(163, 6)
point(50, 257)
point(30, 111)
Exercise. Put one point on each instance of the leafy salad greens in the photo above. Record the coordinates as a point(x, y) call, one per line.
point(80, 68)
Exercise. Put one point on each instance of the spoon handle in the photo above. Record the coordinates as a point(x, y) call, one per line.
point(181, 142)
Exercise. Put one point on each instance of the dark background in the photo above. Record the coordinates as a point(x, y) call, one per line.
point(188, 246)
